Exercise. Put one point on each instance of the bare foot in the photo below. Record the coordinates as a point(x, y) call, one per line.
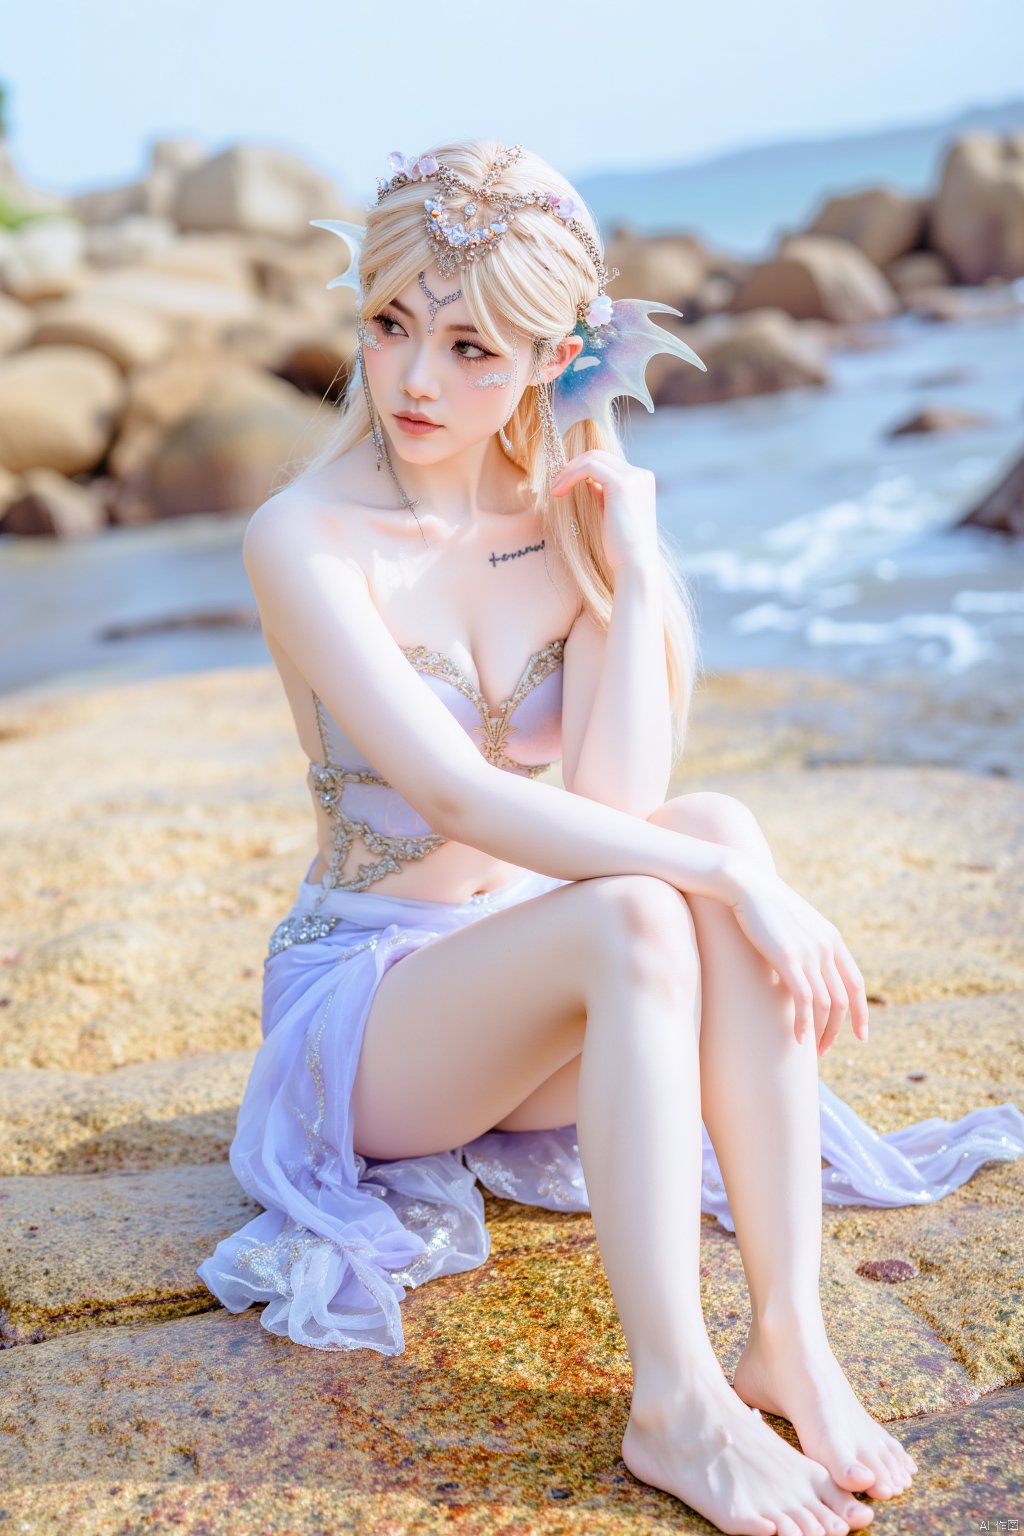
point(721, 1459)
point(798, 1377)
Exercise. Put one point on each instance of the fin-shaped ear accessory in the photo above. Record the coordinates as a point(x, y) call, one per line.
point(353, 236)
point(614, 359)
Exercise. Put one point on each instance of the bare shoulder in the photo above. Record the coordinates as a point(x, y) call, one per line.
point(316, 516)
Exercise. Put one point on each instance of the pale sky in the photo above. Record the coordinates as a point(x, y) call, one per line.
point(591, 86)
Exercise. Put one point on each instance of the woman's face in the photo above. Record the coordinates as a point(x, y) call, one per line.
point(465, 388)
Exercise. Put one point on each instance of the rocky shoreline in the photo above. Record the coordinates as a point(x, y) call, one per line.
point(167, 347)
point(141, 889)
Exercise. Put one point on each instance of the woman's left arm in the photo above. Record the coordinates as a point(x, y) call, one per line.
point(616, 722)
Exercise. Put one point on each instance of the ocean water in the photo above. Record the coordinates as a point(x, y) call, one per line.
point(813, 540)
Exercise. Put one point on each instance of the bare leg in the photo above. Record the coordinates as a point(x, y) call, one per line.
point(621, 955)
point(760, 1106)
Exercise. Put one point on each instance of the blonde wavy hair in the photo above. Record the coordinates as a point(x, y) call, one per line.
point(533, 280)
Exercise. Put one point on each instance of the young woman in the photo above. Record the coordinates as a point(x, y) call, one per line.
point(467, 586)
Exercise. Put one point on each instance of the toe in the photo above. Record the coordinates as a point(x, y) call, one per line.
point(855, 1476)
point(830, 1521)
point(785, 1526)
point(805, 1522)
point(899, 1477)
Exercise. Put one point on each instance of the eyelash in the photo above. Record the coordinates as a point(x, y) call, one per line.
point(385, 320)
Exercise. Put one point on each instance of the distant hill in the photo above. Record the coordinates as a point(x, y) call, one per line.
point(745, 199)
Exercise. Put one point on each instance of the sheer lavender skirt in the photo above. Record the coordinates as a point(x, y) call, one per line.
point(342, 1237)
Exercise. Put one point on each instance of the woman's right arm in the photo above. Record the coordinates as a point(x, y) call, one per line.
point(317, 605)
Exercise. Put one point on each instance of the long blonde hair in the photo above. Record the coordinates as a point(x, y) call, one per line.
point(532, 280)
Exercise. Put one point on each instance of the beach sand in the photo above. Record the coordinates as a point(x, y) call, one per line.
point(154, 834)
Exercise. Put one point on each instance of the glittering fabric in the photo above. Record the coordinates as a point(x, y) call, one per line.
point(341, 1237)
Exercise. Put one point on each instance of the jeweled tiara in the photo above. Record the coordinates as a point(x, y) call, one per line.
point(465, 240)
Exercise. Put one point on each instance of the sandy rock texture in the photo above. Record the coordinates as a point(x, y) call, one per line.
point(140, 891)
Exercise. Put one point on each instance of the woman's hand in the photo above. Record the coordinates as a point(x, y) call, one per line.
point(626, 495)
point(806, 950)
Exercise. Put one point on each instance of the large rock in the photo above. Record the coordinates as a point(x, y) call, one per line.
point(77, 1251)
point(49, 505)
point(940, 418)
point(203, 258)
point(59, 408)
point(977, 219)
point(881, 222)
point(153, 196)
point(1001, 508)
point(174, 826)
point(920, 269)
point(750, 354)
point(43, 259)
point(16, 324)
point(819, 277)
point(227, 454)
point(671, 269)
point(127, 239)
point(255, 188)
point(154, 1114)
point(197, 309)
point(126, 333)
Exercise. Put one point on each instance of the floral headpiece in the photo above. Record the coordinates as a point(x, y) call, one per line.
point(619, 339)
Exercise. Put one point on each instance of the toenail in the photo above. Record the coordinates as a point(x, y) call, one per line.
point(858, 1469)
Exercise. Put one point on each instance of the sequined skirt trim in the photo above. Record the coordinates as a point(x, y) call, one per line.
point(340, 1238)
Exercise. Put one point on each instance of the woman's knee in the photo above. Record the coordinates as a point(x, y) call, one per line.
point(718, 818)
point(643, 932)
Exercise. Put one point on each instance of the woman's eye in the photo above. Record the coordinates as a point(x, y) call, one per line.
point(389, 326)
point(385, 321)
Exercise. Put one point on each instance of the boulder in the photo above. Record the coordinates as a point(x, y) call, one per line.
point(16, 324)
point(155, 1114)
point(750, 354)
point(125, 333)
point(228, 453)
point(51, 506)
point(881, 222)
point(153, 196)
point(1001, 508)
point(819, 277)
point(128, 239)
point(940, 418)
point(43, 259)
point(203, 258)
point(669, 268)
point(977, 218)
point(917, 270)
point(993, 301)
point(59, 408)
point(197, 310)
point(255, 188)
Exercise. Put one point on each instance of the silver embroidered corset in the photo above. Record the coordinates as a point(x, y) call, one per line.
point(361, 804)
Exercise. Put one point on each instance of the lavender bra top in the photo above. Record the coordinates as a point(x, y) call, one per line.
point(523, 736)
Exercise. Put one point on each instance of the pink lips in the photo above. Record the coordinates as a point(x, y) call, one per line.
point(417, 426)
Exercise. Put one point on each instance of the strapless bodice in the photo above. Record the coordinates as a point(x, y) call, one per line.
point(522, 736)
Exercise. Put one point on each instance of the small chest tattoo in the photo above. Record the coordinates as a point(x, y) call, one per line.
point(513, 554)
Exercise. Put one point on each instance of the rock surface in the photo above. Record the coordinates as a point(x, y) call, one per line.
point(141, 890)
